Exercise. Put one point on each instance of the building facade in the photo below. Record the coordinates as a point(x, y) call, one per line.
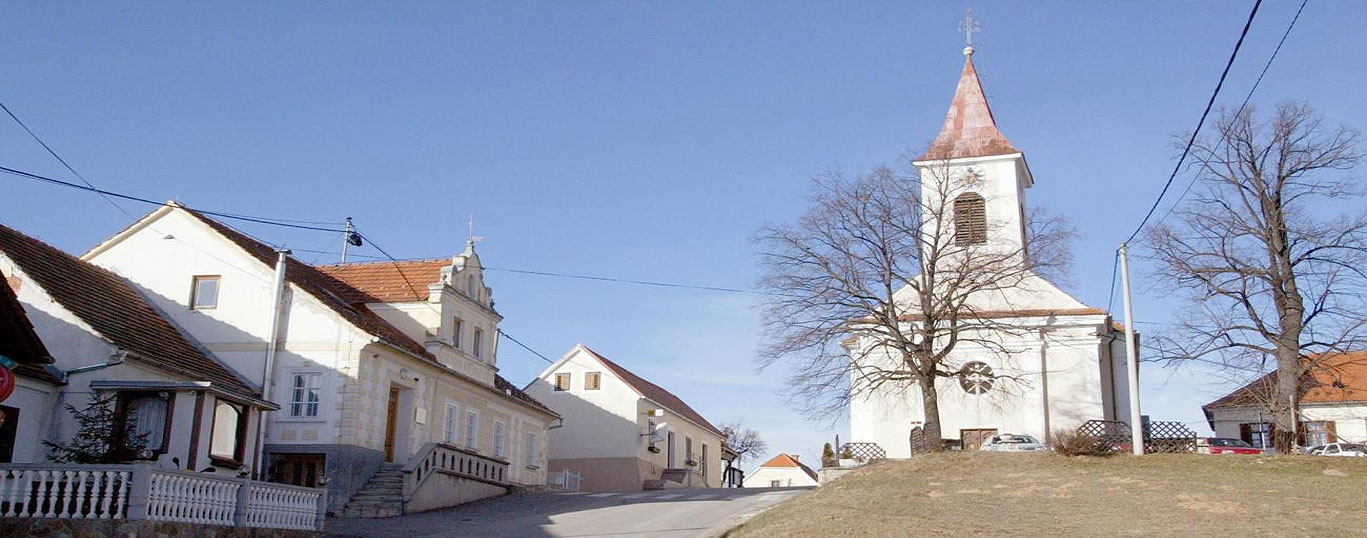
point(1333, 406)
point(782, 471)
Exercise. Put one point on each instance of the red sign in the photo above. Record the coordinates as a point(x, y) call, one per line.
point(6, 383)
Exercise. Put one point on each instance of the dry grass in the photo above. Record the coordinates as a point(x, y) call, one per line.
point(1040, 495)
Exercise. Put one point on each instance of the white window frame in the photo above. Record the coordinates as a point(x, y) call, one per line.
point(531, 449)
point(289, 405)
point(477, 346)
point(471, 429)
point(457, 331)
point(451, 430)
point(500, 438)
point(194, 291)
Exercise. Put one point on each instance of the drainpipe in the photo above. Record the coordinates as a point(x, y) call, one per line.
point(272, 346)
point(114, 360)
point(1044, 381)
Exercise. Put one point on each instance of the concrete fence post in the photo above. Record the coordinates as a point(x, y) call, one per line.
point(244, 492)
point(140, 492)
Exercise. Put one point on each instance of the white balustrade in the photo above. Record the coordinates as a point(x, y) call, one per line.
point(435, 457)
point(142, 492)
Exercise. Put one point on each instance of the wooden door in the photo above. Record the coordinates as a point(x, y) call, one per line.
point(391, 421)
point(973, 439)
point(669, 443)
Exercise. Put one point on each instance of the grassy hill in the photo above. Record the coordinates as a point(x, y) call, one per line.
point(1044, 495)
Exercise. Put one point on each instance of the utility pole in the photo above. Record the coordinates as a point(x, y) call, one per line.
point(346, 237)
point(1131, 356)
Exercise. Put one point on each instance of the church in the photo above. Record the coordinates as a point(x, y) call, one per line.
point(1062, 362)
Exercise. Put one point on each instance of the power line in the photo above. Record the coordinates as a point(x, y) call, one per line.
point(1243, 105)
point(391, 260)
point(1110, 297)
point(234, 216)
point(523, 346)
point(61, 160)
point(1209, 104)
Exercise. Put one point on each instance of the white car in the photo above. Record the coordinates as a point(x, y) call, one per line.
point(1009, 442)
point(1340, 449)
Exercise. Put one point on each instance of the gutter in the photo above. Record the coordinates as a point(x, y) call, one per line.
point(272, 348)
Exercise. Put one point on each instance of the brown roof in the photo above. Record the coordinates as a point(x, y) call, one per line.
point(656, 393)
point(510, 389)
point(969, 129)
point(116, 311)
point(18, 341)
point(387, 282)
point(1339, 378)
point(784, 460)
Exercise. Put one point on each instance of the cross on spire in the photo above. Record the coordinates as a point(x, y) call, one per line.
point(968, 26)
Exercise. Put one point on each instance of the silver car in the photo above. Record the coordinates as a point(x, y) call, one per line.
point(1010, 442)
point(1339, 449)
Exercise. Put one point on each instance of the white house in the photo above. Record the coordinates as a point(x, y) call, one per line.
point(1333, 400)
point(376, 366)
point(101, 335)
point(1063, 361)
point(782, 471)
point(622, 432)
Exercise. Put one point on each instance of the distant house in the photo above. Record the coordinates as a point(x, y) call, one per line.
point(781, 471)
point(101, 336)
point(378, 366)
point(1333, 402)
point(622, 432)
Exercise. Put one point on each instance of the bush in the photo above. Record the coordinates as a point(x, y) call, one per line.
point(1075, 443)
point(828, 456)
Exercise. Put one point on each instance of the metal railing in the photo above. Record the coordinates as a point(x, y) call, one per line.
point(139, 491)
point(567, 479)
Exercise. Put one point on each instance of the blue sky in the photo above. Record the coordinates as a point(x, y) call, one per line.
point(643, 140)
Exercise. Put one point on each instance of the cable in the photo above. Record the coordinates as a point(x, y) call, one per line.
point(61, 160)
point(259, 220)
point(1209, 104)
point(1243, 105)
point(392, 259)
point(1110, 297)
point(627, 281)
point(523, 346)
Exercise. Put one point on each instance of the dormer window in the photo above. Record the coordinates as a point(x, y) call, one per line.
point(970, 219)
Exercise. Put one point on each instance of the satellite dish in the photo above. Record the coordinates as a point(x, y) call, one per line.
point(659, 433)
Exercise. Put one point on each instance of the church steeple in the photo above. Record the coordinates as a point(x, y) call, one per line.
point(969, 129)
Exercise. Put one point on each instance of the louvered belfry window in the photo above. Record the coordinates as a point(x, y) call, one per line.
point(970, 219)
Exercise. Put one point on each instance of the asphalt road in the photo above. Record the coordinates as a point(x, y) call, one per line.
point(671, 513)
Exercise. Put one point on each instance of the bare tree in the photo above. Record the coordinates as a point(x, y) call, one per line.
point(1272, 268)
point(745, 441)
point(876, 285)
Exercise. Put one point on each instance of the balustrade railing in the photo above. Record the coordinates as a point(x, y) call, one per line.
point(434, 457)
point(140, 491)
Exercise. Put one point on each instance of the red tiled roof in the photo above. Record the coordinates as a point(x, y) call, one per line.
point(116, 311)
point(388, 282)
point(1340, 378)
point(969, 129)
point(656, 393)
point(18, 342)
point(784, 460)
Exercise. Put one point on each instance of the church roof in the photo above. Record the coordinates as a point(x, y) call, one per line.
point(969, 129)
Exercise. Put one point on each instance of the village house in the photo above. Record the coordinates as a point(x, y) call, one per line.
point(84, 331)
point(1060, 364)
point(1333, 406)
point(782, 471)
point(622, 432)
point(386, 373)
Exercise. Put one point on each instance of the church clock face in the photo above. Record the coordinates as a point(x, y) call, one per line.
point(976, 377)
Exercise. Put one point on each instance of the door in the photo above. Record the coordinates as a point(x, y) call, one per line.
point(391, 420)
point(973, 439)
point(669, 451)
point(299, 469)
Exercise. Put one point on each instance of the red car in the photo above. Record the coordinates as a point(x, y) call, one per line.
point(1225, 445)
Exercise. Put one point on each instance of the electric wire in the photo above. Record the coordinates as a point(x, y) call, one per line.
point(505, 334)
point(1209, 104)
point(61, 160)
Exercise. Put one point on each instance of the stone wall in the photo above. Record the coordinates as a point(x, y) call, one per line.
point(122, 528)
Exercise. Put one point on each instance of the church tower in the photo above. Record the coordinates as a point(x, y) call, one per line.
point(972, 164)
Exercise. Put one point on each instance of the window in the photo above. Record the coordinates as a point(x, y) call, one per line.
point(471, 430)
point(147, 416)
point(230, 430)
point(688, 450)
point(592, 380)
point(204, 292)
point(477, 346)
point(1256, 434)
point(562, 381)
point(457, 332)
point(529, 451)
point(775, 483)
point(1318, 433)
point(970, 219)
point(305, 394)
point(500, 447)
point(452, 423)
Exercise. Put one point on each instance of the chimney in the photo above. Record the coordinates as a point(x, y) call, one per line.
point(795, 456)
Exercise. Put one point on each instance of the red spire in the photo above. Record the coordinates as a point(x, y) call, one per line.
point(969, 129)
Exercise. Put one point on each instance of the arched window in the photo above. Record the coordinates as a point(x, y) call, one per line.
point(970, 219)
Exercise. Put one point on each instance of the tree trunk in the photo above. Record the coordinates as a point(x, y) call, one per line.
point(1284, 409)
point(930, 407)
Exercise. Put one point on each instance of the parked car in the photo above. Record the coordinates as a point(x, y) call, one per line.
point(1338, 449)
point(1225, 445)
point(1009, 442)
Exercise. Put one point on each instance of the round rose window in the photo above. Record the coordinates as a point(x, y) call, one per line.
point(976, 377)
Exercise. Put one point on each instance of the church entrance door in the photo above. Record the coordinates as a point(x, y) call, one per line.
point(973, 439)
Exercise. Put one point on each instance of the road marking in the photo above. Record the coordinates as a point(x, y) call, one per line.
point(703, 496)
point(637, 495)
point(670, 496)
point(603, 494)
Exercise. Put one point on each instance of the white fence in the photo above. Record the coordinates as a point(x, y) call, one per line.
point(565, 479)
point(141, 492)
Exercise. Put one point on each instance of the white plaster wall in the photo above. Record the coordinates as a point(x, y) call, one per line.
point(36, 402)
point(787, 476)
point(1350, 420)
point(1001, 184)
point(598, 423)
point(683, 429)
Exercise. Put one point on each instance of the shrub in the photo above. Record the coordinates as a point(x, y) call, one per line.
point(828, 456)
point(1075, 443)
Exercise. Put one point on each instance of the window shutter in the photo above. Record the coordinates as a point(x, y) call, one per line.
point(1333, 436)
point(970, 219)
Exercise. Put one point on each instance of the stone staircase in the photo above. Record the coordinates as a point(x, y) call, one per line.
point(669, 479)
point(382, 496)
